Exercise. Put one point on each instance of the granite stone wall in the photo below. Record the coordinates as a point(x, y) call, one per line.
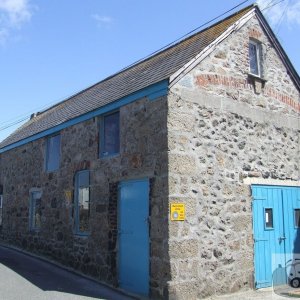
point(225, 127)
point(217, 128)
point(143, 153)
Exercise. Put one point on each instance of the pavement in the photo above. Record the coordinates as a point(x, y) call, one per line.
point(279, 293)
point(24, 277)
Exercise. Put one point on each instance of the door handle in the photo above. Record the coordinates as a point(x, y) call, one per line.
point(281, 238)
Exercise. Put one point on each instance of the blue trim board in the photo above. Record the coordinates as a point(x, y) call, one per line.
point(153, 91)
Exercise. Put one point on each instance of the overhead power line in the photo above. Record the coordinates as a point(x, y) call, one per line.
point(13, 124)
point(184, 36)
point(271, 4)
point(22, 118)
point(282, 17)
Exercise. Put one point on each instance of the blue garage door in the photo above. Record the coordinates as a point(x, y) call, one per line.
point(133, 225)
point(276, 216)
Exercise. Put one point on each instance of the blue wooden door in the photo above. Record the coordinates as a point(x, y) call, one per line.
point(133, 263)
point(275, 233)
point(291, 217)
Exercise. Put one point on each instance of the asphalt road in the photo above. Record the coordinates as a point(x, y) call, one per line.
point(23, 277)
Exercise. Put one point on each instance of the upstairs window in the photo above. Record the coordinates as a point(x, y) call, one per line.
point(82, 202)
point(53, 153)
point(110, 135)
point(254, 58)
point(35, 213)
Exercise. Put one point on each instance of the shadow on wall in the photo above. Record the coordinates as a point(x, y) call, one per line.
point(286, 278)
point(49, 277)
point(293, 266)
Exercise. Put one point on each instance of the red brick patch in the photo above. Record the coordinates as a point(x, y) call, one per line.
point(205, 80)
point(254, 33)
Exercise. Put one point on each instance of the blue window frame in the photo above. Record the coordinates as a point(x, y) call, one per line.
point(110, 134)
point(53, 153)
point(35, 210)
point(82, 202)
point(254, 58)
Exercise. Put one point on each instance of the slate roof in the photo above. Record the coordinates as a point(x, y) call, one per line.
point(150, 71)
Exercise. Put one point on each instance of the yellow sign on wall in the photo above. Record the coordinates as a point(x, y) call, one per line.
point(177, 211)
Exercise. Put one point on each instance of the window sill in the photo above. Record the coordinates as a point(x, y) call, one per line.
point(51, 171)
point(257, 77)
point(258, 82)
point(81, 234)
point(109, 155)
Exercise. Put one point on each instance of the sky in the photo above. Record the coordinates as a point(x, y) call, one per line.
point(50, 50)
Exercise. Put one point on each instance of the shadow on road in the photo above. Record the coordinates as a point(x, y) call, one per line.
point(49, 277)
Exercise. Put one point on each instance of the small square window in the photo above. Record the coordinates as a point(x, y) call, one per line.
point(110, 135)
point(82, 202)
point(35, 210)
point(297, 217)
point(254, 58)
point(268, 218)
point(53, 153)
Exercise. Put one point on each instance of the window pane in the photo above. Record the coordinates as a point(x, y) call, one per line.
point(111, 140)
point(82, 202)
point(36, 210)
point(53, 153)
point(297, 218)
point(269, 217)
point(253, 59)
point(84, 209)
point(38, 214)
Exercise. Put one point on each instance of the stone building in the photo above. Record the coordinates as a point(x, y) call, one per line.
point(171, 178)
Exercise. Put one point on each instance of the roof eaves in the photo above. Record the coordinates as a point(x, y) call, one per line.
point(152, 92)
point(159, 52)
point(209, 48)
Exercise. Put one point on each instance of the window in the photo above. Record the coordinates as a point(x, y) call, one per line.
point(35, 213)
point(110, 135)
point(254, 58)
point(1, 205)
point(297, 217)
point(268, 218)
point(53, 153)
point(82, 202)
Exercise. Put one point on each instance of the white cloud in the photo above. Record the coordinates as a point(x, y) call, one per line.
point(286, 11)
point(293, 14)
point(102, 20)
point(13, 14)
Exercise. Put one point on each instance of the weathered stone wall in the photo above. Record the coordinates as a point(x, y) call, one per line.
point(143, 153)
point(222, 130)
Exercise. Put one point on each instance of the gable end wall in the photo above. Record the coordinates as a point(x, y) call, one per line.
point(224, 128)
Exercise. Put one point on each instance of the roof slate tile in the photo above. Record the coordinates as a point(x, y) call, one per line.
point(158, 67)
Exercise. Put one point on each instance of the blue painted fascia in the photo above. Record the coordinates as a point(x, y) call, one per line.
point(153, 91)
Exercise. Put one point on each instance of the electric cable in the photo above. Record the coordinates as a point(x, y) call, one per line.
point(271, 5)
point(282, 17)
point(138, 61)
point(182, 37)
